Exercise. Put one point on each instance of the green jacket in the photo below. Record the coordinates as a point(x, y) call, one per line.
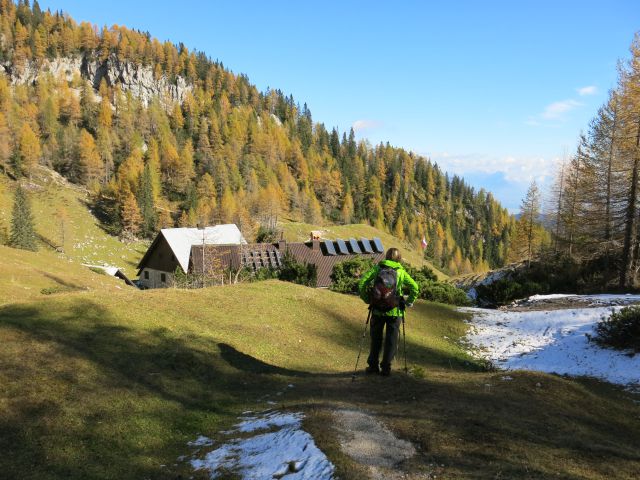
point(405, 282)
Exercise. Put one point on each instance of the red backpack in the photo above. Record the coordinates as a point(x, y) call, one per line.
point(384, 296)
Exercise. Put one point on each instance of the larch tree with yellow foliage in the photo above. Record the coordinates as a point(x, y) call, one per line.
point(28, 150)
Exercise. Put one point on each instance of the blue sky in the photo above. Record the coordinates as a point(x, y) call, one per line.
point(493, 91)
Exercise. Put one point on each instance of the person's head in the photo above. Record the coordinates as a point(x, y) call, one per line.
point(394, 255)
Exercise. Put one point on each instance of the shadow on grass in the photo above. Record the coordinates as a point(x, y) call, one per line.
point(248, 364)
point(62, 282)
point(92, 398)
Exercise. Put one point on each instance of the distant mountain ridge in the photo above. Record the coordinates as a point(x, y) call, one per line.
point(164, 136)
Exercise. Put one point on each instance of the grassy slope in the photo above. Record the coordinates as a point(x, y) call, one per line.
point(32, 275)
point(85, 241)
point(299, 232)
point(96, 386)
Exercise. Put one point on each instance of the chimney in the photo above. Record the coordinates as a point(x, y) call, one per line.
point(315, 240)
point(282, 244)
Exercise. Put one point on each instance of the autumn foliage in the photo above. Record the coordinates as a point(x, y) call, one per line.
point(222, 151)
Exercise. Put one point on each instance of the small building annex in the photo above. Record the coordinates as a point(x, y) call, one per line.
point(172, 249)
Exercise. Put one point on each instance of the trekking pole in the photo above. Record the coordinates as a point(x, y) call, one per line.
point(404, 333)
point(404, 336)
point(364, 333)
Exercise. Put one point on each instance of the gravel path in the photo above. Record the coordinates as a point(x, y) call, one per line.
point(370, 443)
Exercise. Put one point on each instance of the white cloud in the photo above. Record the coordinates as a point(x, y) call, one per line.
point(514, 169)
point(589, 90)
point(557, 110)
point(365, 125)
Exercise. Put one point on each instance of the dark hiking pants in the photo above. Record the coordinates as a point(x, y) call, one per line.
point(378, 323)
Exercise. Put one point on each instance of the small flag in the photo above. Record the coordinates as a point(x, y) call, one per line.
point(423, 244)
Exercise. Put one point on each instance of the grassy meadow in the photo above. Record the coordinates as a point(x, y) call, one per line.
point(62, 219)
point(37, 275)
point(114, 386)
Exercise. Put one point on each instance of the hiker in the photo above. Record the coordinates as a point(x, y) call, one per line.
point(383, 288)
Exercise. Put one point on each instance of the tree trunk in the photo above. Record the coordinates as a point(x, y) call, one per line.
point(558, 213)
point(607, 228)
point(626, 270)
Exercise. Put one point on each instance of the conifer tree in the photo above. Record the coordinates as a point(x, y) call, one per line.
point(206, 192)
point(528, 226)
point(347, 207)
point(91, 166)
point(147, 206)
point(23, 233)
point(130, 215)
point(153, 160)
point(28, 150)
point(5, 143)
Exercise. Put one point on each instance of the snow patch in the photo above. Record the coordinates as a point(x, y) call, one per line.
point(598, 299)
point(201, 441)
point(555, 341)
point(282, 449)
point(551, 296)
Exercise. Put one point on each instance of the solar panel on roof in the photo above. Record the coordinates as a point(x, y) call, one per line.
point(342, 247)
point(366, 245)
point(355, 248)
point(328, 245)
point(377, 244)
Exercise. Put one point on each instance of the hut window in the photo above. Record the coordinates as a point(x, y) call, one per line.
point(163, 277)
point(146, 274)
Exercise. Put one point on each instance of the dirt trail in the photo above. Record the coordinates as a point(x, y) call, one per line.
point(368, 442)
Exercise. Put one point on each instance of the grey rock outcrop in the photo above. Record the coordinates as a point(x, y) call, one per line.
point(136, 78)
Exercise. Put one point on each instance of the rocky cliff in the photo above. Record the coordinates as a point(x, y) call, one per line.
point(138, 79)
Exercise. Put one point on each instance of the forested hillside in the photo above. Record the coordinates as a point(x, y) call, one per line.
point(596, 200)
point(164, 136)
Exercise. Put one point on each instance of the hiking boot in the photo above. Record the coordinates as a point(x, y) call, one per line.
point(372, 370)
point(386, 371)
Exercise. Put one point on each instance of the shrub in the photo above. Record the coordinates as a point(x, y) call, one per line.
point(346, 275)
point(506, 290)
point(186, 280)
point(267, 235)
point(266, 273)
point(443, 293)
point(621, 330)
point(295, 272)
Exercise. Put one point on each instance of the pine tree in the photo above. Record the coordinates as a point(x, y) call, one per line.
point(147, 207)
point(23, 234)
